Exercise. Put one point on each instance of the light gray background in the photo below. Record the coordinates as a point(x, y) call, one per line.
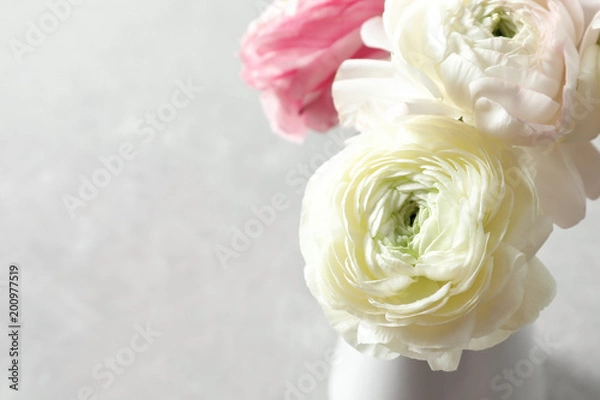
point(143, 251)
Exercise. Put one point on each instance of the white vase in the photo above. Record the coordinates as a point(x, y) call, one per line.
point(512, 370)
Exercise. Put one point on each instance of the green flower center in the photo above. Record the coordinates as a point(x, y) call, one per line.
point(504, 27)
point(406, 222)
point(399, 211)
point(405, 218)
point(500, 23)
point(493, 17)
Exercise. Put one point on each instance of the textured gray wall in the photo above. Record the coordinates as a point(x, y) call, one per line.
point(142, 249)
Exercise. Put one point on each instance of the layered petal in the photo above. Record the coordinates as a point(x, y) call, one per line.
point(292, 52)
point(420, 237)
point(586, 159)
point(559, 184)
point(525, 72)
point(586, 106)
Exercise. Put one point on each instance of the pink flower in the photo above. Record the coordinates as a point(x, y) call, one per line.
point(292, 52)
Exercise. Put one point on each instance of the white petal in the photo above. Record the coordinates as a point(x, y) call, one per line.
point(393, 13)
point(454, 334)
point(457, 73)
point(510, 276)
point(591, 34)
point(492, 118)
point(559, 185)
point(424, 107)
point(448, 361)
point(363, 69)
point(373, 34)
point(576, 14)
point(585, 110)
point(388, 286)
point(529, 228)
point(522, 103)
point(488, 341)
point(529, 79)
point(590, 8)
point(347, 326)
point(586, 159)
point(370, 334)
point(360, 82)
point(539, 292)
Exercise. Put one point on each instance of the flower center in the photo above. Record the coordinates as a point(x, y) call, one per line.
point(500, 23)
point(412, 217)
point(405, 220)
point(504, 27)
point(398, 216)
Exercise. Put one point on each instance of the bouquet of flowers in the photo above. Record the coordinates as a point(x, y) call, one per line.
point(475, 121)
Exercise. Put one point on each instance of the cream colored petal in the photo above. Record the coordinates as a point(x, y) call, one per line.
point(448, 361)
point(373, 34)
point(559, 185)
point(491, 340)
point(361, 82)
point(539, 292)
point(495, 312)
point(492, 118)
point(586, 158)
point(456, 74)
point(590, 8)
point(591, 33)
point(519, 102)
point(585, 107)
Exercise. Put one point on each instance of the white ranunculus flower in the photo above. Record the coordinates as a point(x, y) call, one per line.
point(420, 239)
point(508, 66)
point(516, 69)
